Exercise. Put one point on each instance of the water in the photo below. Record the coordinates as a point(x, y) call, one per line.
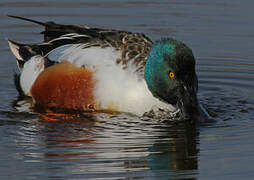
point(121, 146)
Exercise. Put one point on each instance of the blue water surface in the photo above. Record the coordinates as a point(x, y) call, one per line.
point(43, 145)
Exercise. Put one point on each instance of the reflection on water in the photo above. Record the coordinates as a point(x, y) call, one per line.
point(112, 149)
point(108, 145)
point(50, 145)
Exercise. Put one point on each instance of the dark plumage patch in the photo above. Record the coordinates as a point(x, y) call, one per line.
point(16, 79)
point(183, 62)
point(48, 63)
point(26, 52)
point(20, 63)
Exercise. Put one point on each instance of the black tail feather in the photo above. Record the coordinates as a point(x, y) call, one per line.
point(54, 30)
point(27, 19)
point(23, 52)
point(49, 27)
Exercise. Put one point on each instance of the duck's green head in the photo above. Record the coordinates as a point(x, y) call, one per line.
point(170, 75)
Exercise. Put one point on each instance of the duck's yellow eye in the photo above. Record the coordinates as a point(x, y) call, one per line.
point(171, 75)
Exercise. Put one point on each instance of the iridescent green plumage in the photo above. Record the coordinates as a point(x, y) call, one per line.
point(172, 56)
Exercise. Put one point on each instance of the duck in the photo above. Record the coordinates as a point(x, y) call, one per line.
point(77, 67)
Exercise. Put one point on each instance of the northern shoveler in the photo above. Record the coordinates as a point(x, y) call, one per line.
point(83, 68)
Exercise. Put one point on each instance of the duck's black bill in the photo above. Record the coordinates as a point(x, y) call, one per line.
point(188, 103)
